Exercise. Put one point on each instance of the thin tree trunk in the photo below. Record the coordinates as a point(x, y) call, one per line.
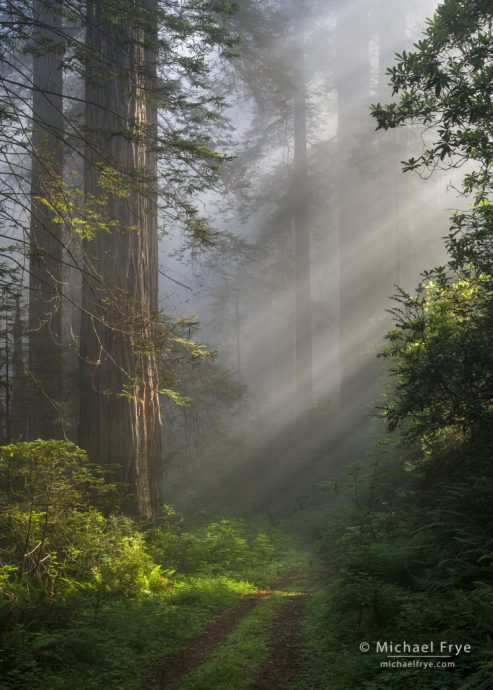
point(238, 334)
point(45, 361)
point(19, 377)
point(357, 249)
point(303, 299)
point(119, 412)
point(8, 392)
point(392, 39)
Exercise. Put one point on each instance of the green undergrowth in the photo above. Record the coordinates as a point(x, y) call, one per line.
point(91, 599)
point(234, 663)
point(411, 561)
point(116, 647)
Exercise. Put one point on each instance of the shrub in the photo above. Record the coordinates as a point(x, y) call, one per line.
point(224, 546)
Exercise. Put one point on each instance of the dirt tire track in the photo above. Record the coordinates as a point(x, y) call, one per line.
point(286, 648)
point(186, 659)
point(287, 655)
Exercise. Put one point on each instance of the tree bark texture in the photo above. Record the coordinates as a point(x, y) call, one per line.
point(120, 420)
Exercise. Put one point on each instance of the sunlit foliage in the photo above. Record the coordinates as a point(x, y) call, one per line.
point(440, 354)
point(72, 568)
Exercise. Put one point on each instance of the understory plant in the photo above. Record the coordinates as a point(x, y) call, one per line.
point(73, 568)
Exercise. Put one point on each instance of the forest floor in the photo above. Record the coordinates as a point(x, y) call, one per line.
point(257, 645)
point(224, 615)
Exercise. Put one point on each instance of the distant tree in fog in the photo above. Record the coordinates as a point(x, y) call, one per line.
point(46, 231)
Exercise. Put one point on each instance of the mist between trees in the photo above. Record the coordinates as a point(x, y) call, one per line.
point(200, 233)
point(237, 342)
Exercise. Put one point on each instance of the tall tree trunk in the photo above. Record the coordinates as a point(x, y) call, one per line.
point(357, 247)
point(238, 334)
point(303, 298)
point(19, 377)
point(45, 360)
point(392, 39)
point(8, 375)
point(119, 412)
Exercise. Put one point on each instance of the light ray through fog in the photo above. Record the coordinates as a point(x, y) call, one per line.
point(397, 228)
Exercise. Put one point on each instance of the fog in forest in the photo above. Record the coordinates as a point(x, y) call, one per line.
point(314, 225)
point(366, 226)
point(246, 315)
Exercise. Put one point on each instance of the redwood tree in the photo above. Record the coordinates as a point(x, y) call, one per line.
point(45, 362)
point(357, 251)
point(302, 264)
point(119, 410)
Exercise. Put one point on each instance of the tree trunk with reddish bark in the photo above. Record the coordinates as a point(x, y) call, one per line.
point(119, 412)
